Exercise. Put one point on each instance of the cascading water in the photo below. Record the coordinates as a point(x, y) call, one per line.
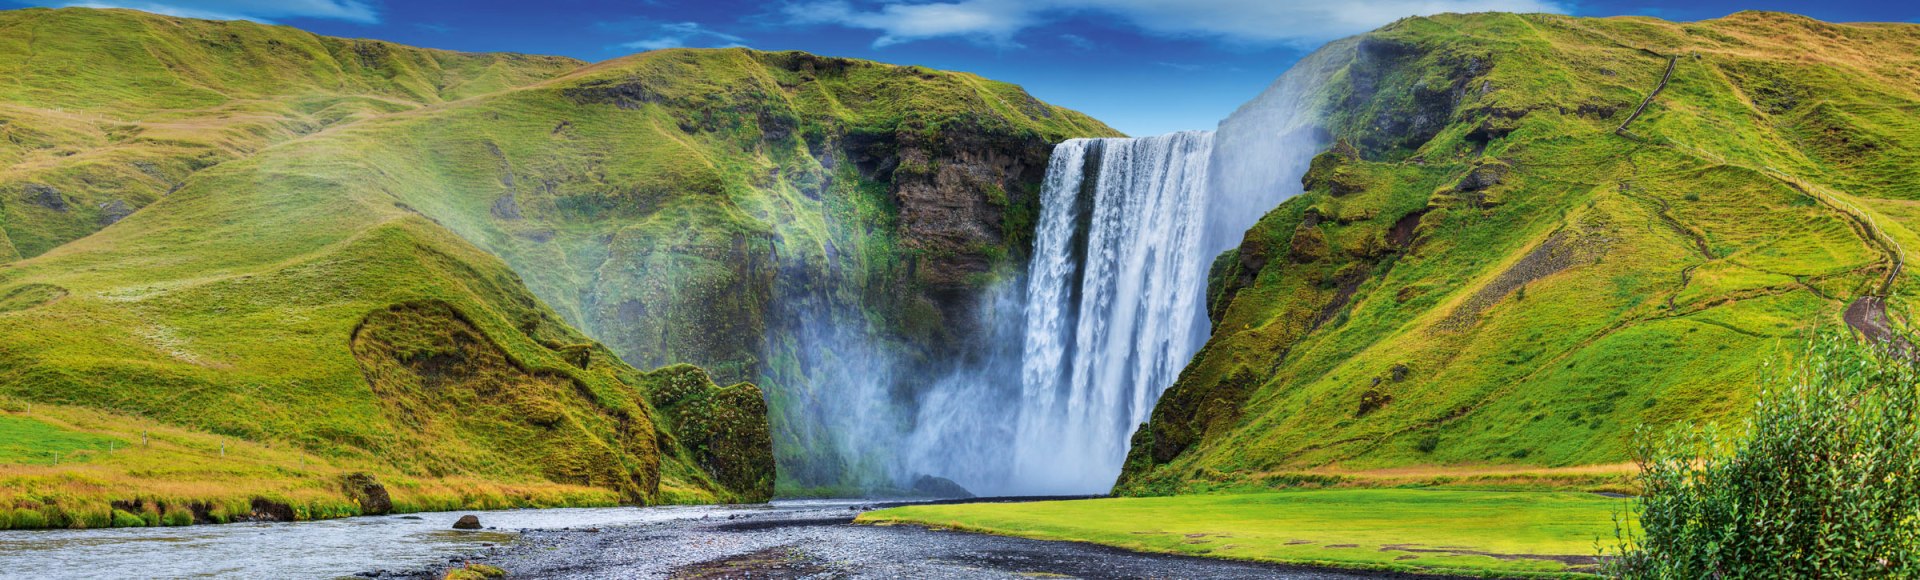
point(1112, 305)
point(1114, 301)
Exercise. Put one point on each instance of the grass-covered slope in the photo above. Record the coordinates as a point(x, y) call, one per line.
point(420, 289)
point(284, 302)
point(1486, 270)
point(733, 208)
point(104, 111)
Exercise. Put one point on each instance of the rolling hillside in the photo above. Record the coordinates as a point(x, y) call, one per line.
point(247, 263)
point(103, 112)
point(1534, 234)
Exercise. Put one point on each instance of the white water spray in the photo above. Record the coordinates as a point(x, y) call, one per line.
point(1113, 304)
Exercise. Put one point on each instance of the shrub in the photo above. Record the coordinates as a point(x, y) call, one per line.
point(1817, 484)
point(1427, 444)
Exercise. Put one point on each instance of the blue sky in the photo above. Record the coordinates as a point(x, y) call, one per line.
point(1143, 66)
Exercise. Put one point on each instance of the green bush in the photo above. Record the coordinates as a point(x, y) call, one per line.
point(1818, 483)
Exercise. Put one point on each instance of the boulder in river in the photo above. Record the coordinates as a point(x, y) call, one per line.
point(939, 487)
point(368, 492)
point(467, 522)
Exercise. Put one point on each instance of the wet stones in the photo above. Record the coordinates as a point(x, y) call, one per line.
point(467, 522)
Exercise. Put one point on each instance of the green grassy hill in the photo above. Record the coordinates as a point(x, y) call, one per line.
point(1485, 271)
point(104, 111)
point(368, 258)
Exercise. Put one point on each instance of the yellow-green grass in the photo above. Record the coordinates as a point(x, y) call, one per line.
point(1498, 533)
point(1602, 478)
point(119, 106)
point(1688, 254)
point(116, 470)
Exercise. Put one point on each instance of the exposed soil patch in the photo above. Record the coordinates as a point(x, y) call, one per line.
point(1562, 249)
point(1868, 315)
point(1569, 560)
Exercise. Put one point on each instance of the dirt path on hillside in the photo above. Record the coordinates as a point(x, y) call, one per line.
point(1866, 315)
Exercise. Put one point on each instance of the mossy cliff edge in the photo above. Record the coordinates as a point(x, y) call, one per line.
point(1505, 258)
point(247, 268)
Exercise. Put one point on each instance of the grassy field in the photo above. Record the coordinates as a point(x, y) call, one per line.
point(1443, 531)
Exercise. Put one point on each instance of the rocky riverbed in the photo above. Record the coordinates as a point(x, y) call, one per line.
point(786, 539)
point(819, 540)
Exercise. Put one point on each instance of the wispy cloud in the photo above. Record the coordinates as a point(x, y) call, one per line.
point(1077, 42)
point(255, 10)
point(998, 22)
point(433, 27)
point(679, 34)
point(984, 21)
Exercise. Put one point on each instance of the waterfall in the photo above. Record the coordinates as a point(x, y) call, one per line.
point(1114, 301)
point(1113, 305)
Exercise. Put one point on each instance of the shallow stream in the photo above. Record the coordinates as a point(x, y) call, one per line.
point(323, 549)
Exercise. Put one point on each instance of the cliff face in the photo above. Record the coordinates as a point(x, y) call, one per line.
point(1497, 262)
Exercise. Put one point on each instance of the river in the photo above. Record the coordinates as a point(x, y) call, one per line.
point(785, 539)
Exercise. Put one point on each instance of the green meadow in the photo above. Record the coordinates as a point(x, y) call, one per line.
point(1496, 533)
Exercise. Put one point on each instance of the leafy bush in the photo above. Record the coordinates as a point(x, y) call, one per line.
point(1818, 484)
point(1427, 444)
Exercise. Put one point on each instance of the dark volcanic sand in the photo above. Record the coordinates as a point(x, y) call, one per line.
point(814, 540)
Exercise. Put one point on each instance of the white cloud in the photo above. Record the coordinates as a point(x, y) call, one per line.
point(986, 21)
point(1241, 21)
point(255, 10)
point(678, 34)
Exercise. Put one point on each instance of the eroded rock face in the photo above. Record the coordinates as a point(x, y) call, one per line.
point(47, 197)
point(114, 211)
point(955, 190)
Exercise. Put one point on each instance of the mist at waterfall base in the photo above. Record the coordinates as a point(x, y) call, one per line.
point(1079, 346)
